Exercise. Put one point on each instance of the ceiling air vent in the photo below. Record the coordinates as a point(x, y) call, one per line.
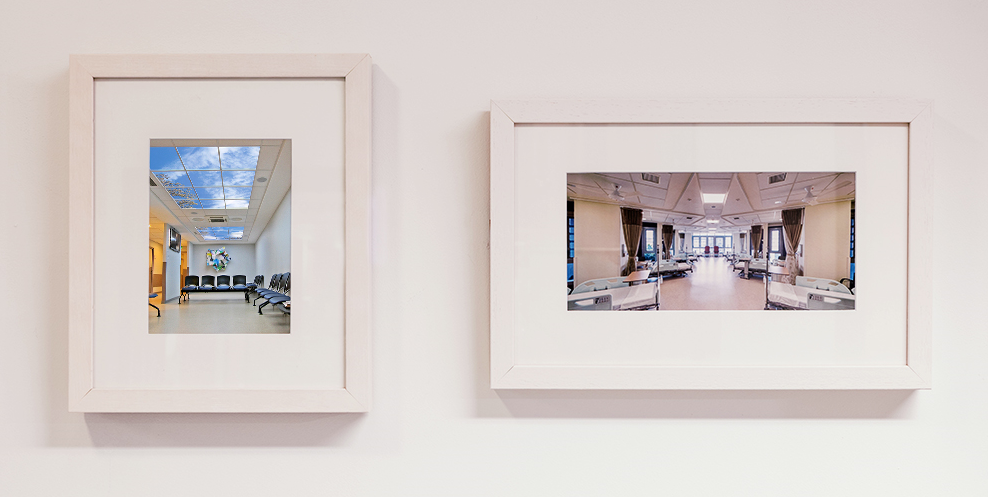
point(217, 219)
point(689, 217)
point(236, 219)
point(778, 178)
point(198, 219)
point(650, 178)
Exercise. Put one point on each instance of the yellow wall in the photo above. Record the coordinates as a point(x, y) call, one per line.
point(597, 240)
point(159, 255)
point(827, 240)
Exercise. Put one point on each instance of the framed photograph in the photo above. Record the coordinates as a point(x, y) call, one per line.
point(248, 177)
point(756, 244)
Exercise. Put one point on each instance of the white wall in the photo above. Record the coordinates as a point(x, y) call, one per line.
point(243, 260)
point(436, 429)
point(597, 239)
point(274, 246)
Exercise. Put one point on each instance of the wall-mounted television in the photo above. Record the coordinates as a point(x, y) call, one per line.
point(174, 239)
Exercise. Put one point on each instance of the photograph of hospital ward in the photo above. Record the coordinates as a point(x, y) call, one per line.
point(710, 241)
point(219, 236)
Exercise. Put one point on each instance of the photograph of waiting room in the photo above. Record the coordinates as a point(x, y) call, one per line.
point(710, 241)
point(227, 204)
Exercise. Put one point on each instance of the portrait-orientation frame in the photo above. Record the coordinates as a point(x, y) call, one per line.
point(84, 72)
point(507, 373)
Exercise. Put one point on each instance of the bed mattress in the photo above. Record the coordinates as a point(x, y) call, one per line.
point(798, 297)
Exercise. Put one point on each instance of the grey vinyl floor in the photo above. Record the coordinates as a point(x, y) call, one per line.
point(219, 313)
point(712, 286)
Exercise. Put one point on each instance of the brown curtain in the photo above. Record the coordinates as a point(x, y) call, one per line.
point(667, 235)
point(631, 221)
point(682, 243)
point(756, 240)
point(792, 226)
point(743, 247)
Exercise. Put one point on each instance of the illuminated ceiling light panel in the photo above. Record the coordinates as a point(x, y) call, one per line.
point(713, 198)
point(221, 233)
point(206, 177)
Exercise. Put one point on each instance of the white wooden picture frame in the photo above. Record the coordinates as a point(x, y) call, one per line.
point(85, 394)
point(509, 370)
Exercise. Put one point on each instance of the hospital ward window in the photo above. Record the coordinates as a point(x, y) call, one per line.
point(852, 242)
point(647, 246)
point(776, 248)
point(570, 252)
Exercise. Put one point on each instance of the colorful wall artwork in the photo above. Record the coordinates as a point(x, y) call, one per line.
point(218, 258)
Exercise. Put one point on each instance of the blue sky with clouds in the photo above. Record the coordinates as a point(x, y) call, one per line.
point(206, 177)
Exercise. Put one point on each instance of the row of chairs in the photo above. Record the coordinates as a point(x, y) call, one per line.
point(221, 283)
point(277, 293)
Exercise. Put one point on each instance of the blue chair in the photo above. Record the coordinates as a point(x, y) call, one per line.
point(191, 285)
point(151, 296)
point(208, 283)
point(223, 282)
point(279, 294)
point(240, 285)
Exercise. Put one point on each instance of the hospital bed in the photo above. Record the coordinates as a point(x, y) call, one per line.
point(672, 267)
point(749, 266)
point(809, 293)
point(614, 294)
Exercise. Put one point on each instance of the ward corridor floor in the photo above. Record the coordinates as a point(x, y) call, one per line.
point(219, 313)
point(712, 286)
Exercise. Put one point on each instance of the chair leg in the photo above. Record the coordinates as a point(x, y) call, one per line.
point(156, 308)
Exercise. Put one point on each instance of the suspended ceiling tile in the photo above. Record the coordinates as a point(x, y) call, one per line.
point(606, 183)
point(237, 142)
point(736, 200)
point(651, 191)
point(714, 185)
point(618, 176)
point(194, 142)
point(583, 179)
point(267, 158)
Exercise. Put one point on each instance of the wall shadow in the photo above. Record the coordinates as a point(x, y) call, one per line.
point(222, 430)
point(713, 404)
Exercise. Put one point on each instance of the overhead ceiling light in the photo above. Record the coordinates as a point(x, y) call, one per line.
point(713, 198)
point(778, 201)
point(261, 180)
point(713, 221)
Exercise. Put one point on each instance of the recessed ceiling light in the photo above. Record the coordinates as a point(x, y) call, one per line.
point(778, 201)
point(712, 221)
point(261, 180)
point(714, 198)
